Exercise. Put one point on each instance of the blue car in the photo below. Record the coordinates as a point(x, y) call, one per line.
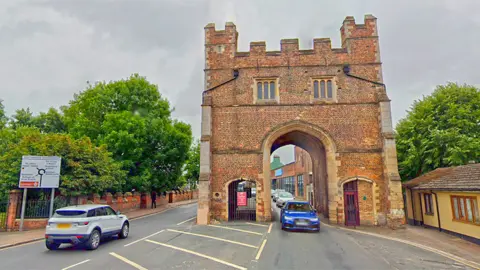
point(297, 215)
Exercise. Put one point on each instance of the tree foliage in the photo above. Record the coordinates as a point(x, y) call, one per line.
point(85, 167)
point(134, 121)
point(49, 122)
point(114, 136)
point(3, 116)
point(22, 118)
point(192, 166)
point(440, 130)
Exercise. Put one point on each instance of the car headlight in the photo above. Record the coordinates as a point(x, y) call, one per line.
point(288, 218)
point(314, 219)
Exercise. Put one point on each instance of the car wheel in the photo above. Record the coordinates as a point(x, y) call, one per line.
point(94, 240)
point(124, 232)
point(52, 245)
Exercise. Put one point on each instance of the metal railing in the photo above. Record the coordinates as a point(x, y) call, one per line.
point(3, 215)
point(40, 208)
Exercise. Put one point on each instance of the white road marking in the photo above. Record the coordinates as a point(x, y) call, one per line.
point(73, 265)
point(439, 252)
point(234, 229)
point(215, 238)
point(198, 254)
point(143, 238)
point(153, 214)
point(256, 224)
point(186, 220)
point(270, 227)
point(261, 249)
point(128, 261)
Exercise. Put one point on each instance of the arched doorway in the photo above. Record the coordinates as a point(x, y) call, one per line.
point(242, 200)
point(321, 149)
point(350, 196)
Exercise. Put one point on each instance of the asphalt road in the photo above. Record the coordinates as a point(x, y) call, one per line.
point(170, 241)
point(36, 256)
point(337, 249)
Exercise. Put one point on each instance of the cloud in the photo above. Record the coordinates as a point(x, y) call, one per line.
point(49, 49)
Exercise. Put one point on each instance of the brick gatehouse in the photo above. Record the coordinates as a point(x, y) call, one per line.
point(329, 101)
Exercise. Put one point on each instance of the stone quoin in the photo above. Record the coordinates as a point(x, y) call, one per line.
point(329, 101)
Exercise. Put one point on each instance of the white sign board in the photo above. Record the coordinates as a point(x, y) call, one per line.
point(40, 172)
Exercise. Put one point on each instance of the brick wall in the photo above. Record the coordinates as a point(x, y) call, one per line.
point(124, 202)
point(350, 122)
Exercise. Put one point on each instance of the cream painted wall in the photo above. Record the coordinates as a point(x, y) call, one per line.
point(446, 215)
point(416, 204)
point(431, 220)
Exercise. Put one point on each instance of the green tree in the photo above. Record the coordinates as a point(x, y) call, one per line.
point(87, 111)
point(22, 118)
point(192, 166)
point(440, 130)
point(133, 120)
point(49, 122)
point(3, 116)
point(85, 167)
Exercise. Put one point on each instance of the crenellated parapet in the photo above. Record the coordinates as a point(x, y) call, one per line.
point(359, 46)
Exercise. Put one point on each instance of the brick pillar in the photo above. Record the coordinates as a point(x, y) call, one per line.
point(96, 198)
point(108, 198)
point(119, 200)
point(136, 196)
point(82, 199)
point(14, 199)
point(129, 200)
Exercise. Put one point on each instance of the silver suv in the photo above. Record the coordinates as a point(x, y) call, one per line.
point(85, 225)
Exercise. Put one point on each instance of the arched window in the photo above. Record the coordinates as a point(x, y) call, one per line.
point(323, 89)
point(329, 89)
point(259, 90)
point(266, 90)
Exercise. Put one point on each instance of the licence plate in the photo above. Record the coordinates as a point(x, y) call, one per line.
point(302, 223)
point(64, 226)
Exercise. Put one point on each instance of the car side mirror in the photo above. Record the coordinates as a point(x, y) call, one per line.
point(118, 212)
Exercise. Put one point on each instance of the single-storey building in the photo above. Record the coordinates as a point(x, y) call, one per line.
point(446, 199)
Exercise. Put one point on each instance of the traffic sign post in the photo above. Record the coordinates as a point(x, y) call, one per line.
point(39, 172)
point(52, 197)
point(22, 215)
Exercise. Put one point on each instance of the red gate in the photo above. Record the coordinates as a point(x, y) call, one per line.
point(350, 195)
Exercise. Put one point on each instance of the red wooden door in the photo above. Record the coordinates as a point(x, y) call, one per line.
point(350, 195)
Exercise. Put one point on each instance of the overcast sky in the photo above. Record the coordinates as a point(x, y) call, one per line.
point(50, 49)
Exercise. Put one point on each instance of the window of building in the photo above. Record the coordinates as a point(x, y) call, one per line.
point(323, 88)
point(465, 209)
point(266, 90)
point(300, 185)
point(428, 204)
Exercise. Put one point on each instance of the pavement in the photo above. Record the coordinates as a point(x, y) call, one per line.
point(426, 238)
point(172, 240)
point(9, 239)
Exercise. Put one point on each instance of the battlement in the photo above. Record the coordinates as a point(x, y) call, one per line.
point(223, 44)
point(351, 30)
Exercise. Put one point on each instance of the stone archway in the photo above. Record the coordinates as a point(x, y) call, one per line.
point(321, 148)
point(368, 196)
point(228, 196)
